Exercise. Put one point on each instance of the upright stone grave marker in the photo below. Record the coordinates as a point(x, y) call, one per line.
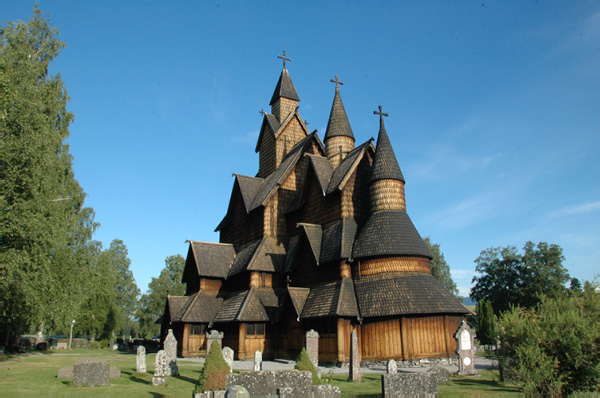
point(171, 352)
point(257, 361)
point(312, 346)
point(228, 356)
point(213, 335)
point(161, 369)
point(140, 360)
point(354, 358)
point(466, 350)
point(392, 367)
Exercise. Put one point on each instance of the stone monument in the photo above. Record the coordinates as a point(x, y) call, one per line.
point(257, 361)
point(466, 350)
point(161, 369)
point(213, 335)
point(312, 346)
point(140, 360)
point(228, 356)
point(171, 353)
point(354, 358)
point(91, 372)
point(392, 367)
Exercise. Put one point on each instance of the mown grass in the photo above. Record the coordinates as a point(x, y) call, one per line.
point(36, 374)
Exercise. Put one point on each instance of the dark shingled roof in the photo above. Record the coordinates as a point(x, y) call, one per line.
point(249, 187)
point(338, 237)
point(268, 188)
point(231, 307)
point(175, 303)
point(243, 257)
point(291, 254)
point(314, 234)
point(202, 309)
point(338, 124)
point(323, 170)
point(270, 125)
point(407, 293)
point(261, 304)
point(346, 167)
point(331, 299)
point(385, 164)
point(212, 259)
point(285, 88)
point(298, 296)
point(269, 256)
point(389, 233)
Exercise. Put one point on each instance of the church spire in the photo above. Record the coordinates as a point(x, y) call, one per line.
point(385, 164)
point(339, 138)
point(285, 98)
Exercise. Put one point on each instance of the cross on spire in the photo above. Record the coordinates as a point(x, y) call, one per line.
point(262, 112)
point(380, 113)
point(337, 83)
point(284, 58)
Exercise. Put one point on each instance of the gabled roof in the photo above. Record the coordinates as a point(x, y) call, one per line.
point(329, 242)
point(338, 124)
point(314, 235)
point(249, 187)
point(298, 296)
point(331, 299)
point(285, 88)
point(201, 307)
point(212, 259)
point(407, 293)
point(323, 170)
point(291, 254)
point(174, 304)
point(343, 172)
point(261, 255)
point(271, 125)
point(261, 304)
point(385, 164)
point(389, 233)
point(275, 179)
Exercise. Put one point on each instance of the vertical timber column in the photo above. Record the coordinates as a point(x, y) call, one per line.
point(242, 342)
point(186, 340)
point(341, 337)
point(448, 337)
point(404, 334)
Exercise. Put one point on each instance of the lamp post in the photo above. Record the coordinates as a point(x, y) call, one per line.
point(71, 335)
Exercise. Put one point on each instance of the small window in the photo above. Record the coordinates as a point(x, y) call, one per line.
point(260, 329)
point(197, 329)
point(255, 329)
point(250, 329)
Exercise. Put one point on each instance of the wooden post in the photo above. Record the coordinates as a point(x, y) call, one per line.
point(242, 342)
point(404, 334)
point(448, 337)
point(341, 337)
point(185, 337)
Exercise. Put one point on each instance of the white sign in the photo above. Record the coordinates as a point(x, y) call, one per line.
point(465, 340)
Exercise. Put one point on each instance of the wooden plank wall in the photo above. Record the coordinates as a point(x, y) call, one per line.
point(380, 340)
point(426, 337)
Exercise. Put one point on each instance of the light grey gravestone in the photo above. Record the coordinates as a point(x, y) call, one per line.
point(257, 361)
point(171, 353)
point(236, 392)
point(466, 350)
point(228, 356)
point(213, 335)
point(140, 360)
point(392, 367)
point(312, 346)
point(354, 358)
point(91, 372)
point(161, 369)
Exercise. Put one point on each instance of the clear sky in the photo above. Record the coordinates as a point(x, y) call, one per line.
point(494, 112)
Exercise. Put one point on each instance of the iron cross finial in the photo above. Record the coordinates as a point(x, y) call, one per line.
point(262, 112)
point(284, 58)
point(380, 113)
point(337, 82)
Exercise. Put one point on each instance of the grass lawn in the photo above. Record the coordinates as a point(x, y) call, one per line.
point(36, 374)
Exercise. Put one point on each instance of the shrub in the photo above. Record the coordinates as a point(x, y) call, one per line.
point(213, 375)
point(95, 345)
point(554, 349)
point(304, 363)
point(104, 343)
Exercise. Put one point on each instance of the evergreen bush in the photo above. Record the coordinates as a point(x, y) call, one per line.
point(213, 375)
point(304, 363)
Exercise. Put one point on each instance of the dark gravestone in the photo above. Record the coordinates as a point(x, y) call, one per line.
point(91, 372)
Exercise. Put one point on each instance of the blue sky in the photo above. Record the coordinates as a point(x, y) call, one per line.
point(494, 112)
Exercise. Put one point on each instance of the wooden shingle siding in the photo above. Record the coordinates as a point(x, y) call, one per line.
point(353, 199)
point(267, 158)
point(387, 195)
point(243, 227)
point(392, 264)
point(336, 149)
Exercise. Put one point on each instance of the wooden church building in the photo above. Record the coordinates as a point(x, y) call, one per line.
point(318, 239)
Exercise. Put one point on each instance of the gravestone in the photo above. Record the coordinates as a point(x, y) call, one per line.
point(392, 367)
point(236, 392)
point(161, 369)
point(213, 335)
point(440, 374)
point(466, 350)
point(228, 356)
point(257, 361)
point(140, 360)
point(354, 358)
point(171, 353)
point(91, 372)
point(312, 346)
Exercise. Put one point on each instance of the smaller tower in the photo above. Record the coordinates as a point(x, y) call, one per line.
point(285, 98)
point(387, 181)
point(339, 139)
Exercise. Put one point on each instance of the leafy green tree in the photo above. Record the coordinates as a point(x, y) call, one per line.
point(304, 363)
point(46, 230)
point(486, 323)
point(440, 268)
point(553, 349)
point(152, 304)
point(508, 278)
point(575, 286)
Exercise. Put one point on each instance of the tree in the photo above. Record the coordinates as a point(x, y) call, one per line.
point(575, 286)
point(152, 304)
point(486, 323)
point(440, 268)
point(213, 376)
point(507, 278)
point(46, 231)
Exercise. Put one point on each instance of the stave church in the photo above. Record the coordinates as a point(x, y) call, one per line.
point(319, 239)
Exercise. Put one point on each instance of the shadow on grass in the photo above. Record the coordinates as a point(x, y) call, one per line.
point(157, 395)
point(139, 380)
point(487, 385)
point(184, 378)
